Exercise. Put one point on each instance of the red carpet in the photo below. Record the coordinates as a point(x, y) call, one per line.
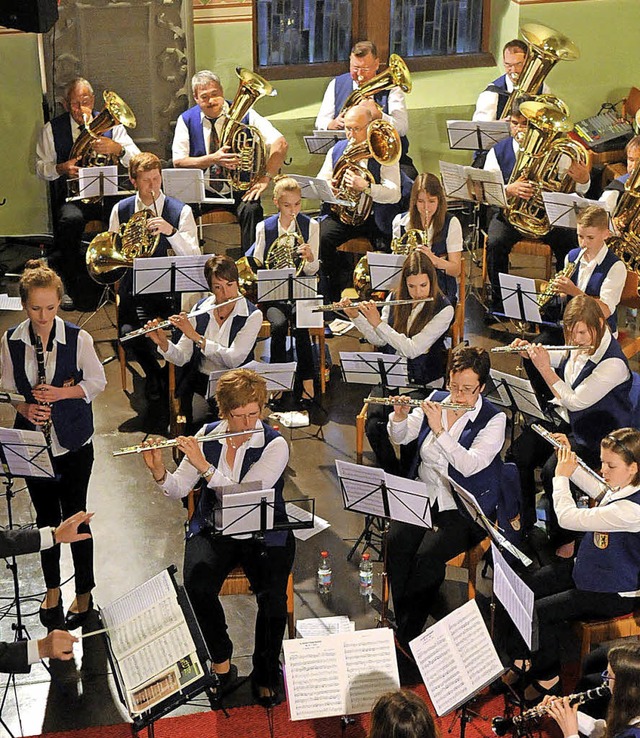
point(251, 722)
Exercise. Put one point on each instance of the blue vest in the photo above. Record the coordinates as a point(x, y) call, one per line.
point(271, 230)
point(201, 518)
point(631, 731)
point(597, 278)
point(506, 157)
point(72, 419)
point(429, 366)
point(485, 485)
point(499, 86)
point(193, 119)
point(609, 562)
point(613, 411)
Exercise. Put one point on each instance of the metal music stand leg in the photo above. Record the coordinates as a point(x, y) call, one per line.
point(103, 303)
point(369, 532)
point(465, 715)
point(383, 620)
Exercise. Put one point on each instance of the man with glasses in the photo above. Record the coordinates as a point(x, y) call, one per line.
point(462, 444)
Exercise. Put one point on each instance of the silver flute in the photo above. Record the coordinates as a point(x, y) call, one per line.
point(417, 403)
point(171, 442)
point(337, 306)
point(582, 464)
point(518, 349)
point(167, 323)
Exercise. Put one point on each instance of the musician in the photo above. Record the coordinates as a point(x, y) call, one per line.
point(388, 104)
point(173, 222)
point(604, 581)
point(384, 191)
point(55, 142)
point(502, 236)
point(465, 446)
point(59, 387)
point(415, 332)
point(196, 143)
point(590, 388)
point(260, 458)
point(401, 714)
point(613, 190)
point(287, 198)
point(216, 340)
point(428, 213)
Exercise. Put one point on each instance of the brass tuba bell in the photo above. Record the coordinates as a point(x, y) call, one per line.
point(397, 74)
point(625, 244)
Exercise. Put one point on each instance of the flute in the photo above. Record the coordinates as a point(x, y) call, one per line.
point(582, 464)
point(337, 306)
point(167, 323)
point(417, 403)
point(518, 349)
point(171, 442)
point(501, 725)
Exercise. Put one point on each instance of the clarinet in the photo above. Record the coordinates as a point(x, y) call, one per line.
point(42, 379)
point(501, 725)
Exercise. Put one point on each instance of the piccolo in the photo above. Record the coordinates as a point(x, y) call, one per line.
point(338, 306)
point(171, 442)
point(502, 725)
point(518, 349)
point(167, 323)
point(582, 464)
point(417, 403)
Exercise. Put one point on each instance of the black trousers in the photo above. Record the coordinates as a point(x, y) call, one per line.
point(279, 316)
point(417, 565)
point(55, 500)
point(207, 562)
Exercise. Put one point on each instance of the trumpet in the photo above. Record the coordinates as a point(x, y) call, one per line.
point(582, 464)
point(337, 306)
point(167, 323)
point(171, 442)
point(501, 725)
point(417, 403)
point(519, 349)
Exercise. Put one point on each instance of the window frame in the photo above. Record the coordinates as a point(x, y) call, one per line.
point(365, 24)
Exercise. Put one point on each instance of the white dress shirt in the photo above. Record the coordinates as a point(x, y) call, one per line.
point(487, 103)
point(310, 267)
point(219, 353)
point(46, 158)
point(184, 241)
point(410, 348)
point(612, 284)
point(491, 165)
point(396, 105)
point(437, 453)
point(454, 235)
point(93, 380)
point(387, 191)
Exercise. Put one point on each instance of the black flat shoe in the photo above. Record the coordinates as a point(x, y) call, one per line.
point(53, 617)
point(266, 701)
point(74, 620)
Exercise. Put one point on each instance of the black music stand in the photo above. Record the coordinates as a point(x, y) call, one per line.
point(23, 454)
point(385, 270)
point(169, 274)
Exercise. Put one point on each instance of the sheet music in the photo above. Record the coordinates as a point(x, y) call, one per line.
point(314, 188)
point(241, 512)
point(297, 513)
point(515, 288)
point(385, 270)
point(152, 275)
point(26, 453)
point(10, 303)
point(562, 208)
point(321, 627)
point(521, 389)
point(456, 658)
point(273, 285)
point(408, 500)
point(458, 182)
point(188, 185)
point(361, 486)
point(279, 377)
point(321, 141)
point(515, 595)
point(305, 318)
point(339, 674)
point(97, 181)
point(362, 367)
point(463, 134)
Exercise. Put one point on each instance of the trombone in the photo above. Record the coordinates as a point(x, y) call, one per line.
point(167, 323)
point(171, 442)
point(337, 306)
point(520, 349)
point(417, 403)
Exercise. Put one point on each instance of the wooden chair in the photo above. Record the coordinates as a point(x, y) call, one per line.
point(356, 246)
point(600, 631)
point(630, 344)
point(525, 247)
point(215, 218)
point(470, 560)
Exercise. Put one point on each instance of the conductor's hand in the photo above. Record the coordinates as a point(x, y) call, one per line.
point(57, 645)
point(67, 531)
point(401, 408)
point(183, 324)
point(433, 414)
point(370, 311)
point(159, 337)
point(567, 462)
point(565, 714)
point(193, 451)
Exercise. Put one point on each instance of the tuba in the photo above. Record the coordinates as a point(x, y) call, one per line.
point(241, 138)
point(283, 253)
point(546, 48)
point(538, 161)
point(110, 254)
point(626, 220)
point(395, 75)
point(409, 241)
point(383, 144)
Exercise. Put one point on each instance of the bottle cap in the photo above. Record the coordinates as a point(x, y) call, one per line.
point(366, 556)
point(324, 553)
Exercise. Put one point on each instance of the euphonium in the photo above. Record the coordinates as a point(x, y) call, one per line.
point(383, 144)
point(550, 289)
point(546, 48)
point(110, 254)
point(409, 241)
point(626, 219)
point(241, 138)
point(538, 161)
point(283, 253)
point(395, 75)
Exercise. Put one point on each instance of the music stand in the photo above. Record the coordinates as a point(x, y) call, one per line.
point(385, 271)
point(23, 454)
point(162, 274)
point(476, 135)
point(562, 208)
point(374, 367)
point(314, 188)
point(376, 493)
point(322, 141)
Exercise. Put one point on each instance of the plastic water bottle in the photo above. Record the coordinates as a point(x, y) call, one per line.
point(325, 578)
point(366, 576)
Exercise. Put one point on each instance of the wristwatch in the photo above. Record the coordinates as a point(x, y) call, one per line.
point(208, 473)
point(367, 190)
point(202, 341)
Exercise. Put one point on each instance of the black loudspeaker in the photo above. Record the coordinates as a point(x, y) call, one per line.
point(35, 16)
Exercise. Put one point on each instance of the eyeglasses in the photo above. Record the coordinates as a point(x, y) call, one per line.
point(454, 389)
point(353, 129)
point(249, 416)
point(606, 677)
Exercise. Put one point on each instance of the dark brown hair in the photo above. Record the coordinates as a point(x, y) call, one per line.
point(429, 183)
point(584, 309)
point(625, 443)
point(362, 48)
point(37, 274)
point(474, 358)
point(415, 263)
point(220, 266)
point(517, 44)
point(625, 698)
point(239, 387)
point(401, 714)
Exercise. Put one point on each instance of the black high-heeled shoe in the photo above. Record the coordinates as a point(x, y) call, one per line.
point(267, 701)
point(53, 617)
point(74, 620)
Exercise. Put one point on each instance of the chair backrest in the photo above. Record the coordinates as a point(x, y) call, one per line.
point(630, 297)
point(634, 396)
point(456, 331)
